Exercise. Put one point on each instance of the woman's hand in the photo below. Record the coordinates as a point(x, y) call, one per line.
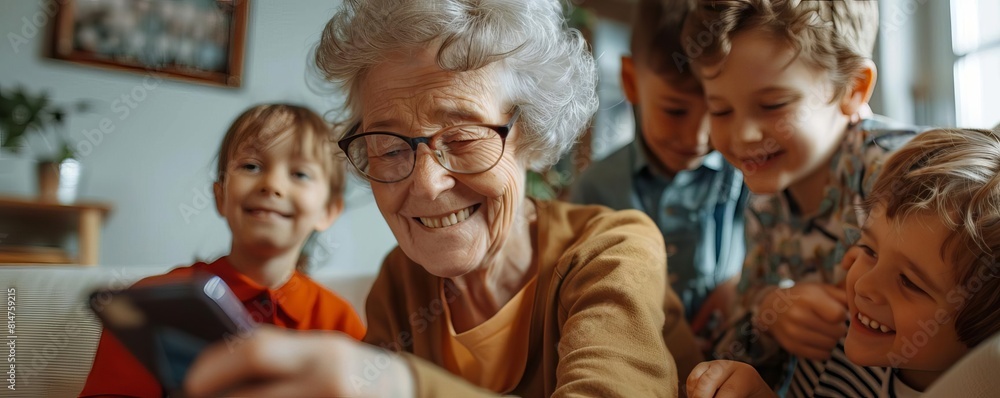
point(726, 379)
point(280, 363)
point(807, 319)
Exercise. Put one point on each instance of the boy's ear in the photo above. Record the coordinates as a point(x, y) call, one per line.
point(628, 80)
point(217, 190)
point(333, 210)
point(860, 90)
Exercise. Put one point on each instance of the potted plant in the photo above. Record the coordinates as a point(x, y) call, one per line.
point(22, 114)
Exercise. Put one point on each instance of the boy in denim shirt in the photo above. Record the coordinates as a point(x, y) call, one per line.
point(671, 172)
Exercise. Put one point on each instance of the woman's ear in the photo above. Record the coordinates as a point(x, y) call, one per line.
point(860, 89)
point(628, 80)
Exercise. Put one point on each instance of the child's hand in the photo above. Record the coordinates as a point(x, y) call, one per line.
point(807, 319)
point(726, 379)
point(722, 300)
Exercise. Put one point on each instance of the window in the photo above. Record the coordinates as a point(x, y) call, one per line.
point(613, 126)
point(939, 62)
point(976, 47)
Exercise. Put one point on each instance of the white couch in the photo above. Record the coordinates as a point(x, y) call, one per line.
point(57, 334)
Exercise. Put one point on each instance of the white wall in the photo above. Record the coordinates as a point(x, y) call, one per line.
point(159, 156)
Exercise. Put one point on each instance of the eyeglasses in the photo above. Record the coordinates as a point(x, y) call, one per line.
point(463, 149)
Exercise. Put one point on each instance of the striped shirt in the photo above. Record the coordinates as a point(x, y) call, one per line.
point(838, 377)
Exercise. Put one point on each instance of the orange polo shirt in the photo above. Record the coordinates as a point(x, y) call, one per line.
point(299, 304)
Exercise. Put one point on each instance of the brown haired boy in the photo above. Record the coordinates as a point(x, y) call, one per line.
point(787, 84)
point(924, 276)
point(278, 182)
point(671, 172)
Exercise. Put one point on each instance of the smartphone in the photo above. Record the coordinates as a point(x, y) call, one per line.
point(166, 322)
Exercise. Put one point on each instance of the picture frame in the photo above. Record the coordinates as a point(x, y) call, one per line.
point(199, 41)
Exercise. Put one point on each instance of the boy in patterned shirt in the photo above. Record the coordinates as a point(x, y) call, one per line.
point(922, 279)
point(787, 84)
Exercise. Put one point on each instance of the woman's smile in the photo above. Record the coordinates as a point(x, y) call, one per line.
point(449, 219)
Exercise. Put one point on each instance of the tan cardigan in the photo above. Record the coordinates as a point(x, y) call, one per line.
point(598, 314)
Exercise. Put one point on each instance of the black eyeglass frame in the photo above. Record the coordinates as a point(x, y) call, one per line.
point(502, 130)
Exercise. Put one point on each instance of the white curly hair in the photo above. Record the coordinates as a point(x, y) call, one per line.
point(546, 68)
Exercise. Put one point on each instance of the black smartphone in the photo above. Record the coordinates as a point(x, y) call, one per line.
point(167, 322)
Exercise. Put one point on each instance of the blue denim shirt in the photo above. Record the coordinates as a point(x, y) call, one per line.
point(700, 213)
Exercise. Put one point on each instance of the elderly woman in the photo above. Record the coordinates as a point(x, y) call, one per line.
point(448, 103)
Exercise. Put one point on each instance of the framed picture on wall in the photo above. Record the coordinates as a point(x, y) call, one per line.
point(195, 40)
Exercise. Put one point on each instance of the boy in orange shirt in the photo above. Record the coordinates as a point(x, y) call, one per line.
point(278, 182)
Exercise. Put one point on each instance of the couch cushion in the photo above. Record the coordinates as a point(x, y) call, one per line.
point(57, 334)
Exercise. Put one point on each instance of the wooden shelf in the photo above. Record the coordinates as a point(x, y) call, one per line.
point(33, 255)
point(35, 205)
point(31, 231)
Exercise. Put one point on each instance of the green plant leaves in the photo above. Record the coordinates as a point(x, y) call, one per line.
point(22, 113)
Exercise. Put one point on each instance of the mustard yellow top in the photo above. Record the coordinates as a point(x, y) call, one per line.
point(604, 322)
point(492, 354)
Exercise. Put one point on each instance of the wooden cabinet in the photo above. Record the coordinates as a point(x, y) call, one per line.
point(34, 232)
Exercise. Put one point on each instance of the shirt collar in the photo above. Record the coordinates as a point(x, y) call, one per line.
point(293, 298)
point(712, 161)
